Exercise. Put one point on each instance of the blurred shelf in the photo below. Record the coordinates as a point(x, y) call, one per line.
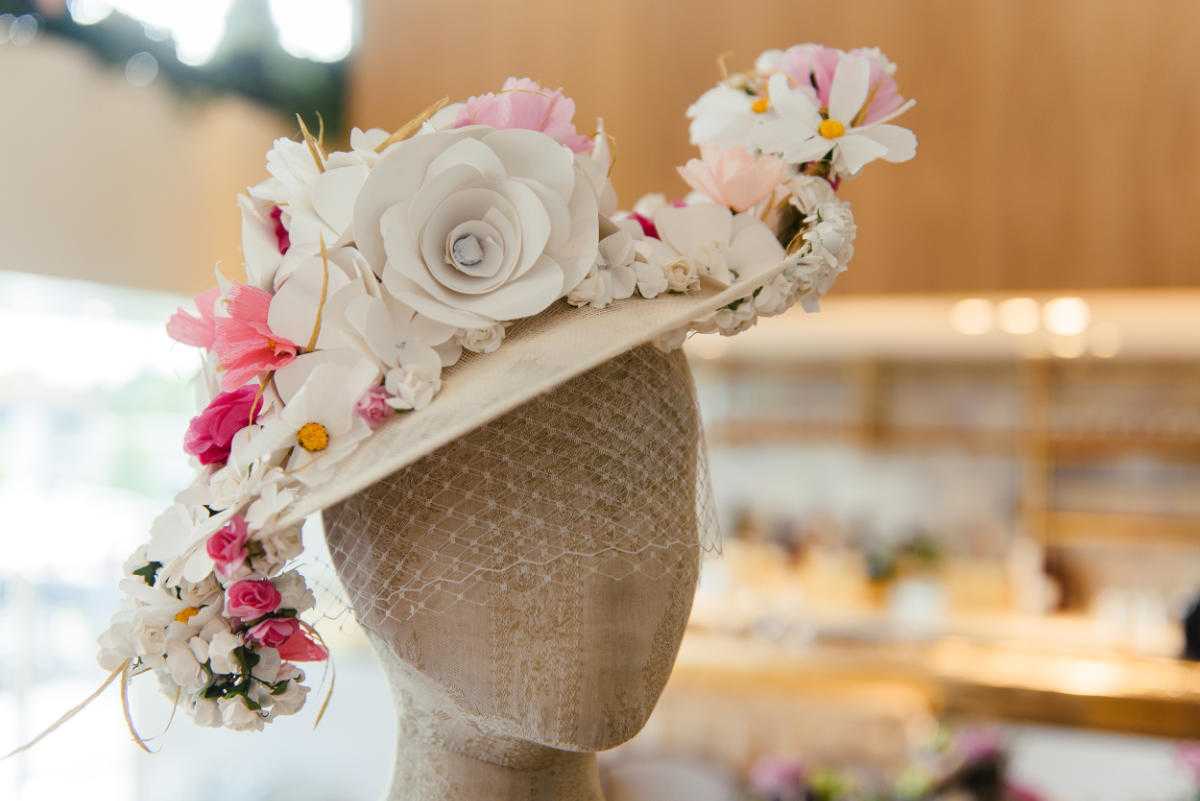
point(1066, 527)
point(1082, 688)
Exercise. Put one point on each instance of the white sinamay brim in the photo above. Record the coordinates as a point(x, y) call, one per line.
point(538, 354)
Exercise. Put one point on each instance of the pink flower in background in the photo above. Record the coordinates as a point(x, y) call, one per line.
point(733, 177)
point(282, 237)
point(778, 778)
point(523, 103)
point(810, 67)
point(210, 434)
point(227, 547)
point(373, 407)
point(302, 648)
point(273, 632)
point(191, 330)
point(245, 345)
point(251, 598)
point(1189, 756)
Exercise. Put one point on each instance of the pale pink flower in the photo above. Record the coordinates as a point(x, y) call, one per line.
point(273, 632)
point(733, 177)
point(811, 67)
point(227, 547)
point(196, 331)
point(245, 345)
point(522, 103)
point(210, 434)
point(373, 407)
point(779, 778)
point(251, 598)
point(883, 98)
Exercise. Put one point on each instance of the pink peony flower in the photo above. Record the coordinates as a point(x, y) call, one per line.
point(734, 177)
point(195, 331)
point(251, 598)
point(273, 632)
point(227, 547)
point(244, 344)
point(373, 407)
point(282, 237)
point(302, 648)
point(210, 434)
point(522, 103)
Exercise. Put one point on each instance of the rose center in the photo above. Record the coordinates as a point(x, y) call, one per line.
point(466, 252)
point(313, 437)
point(831, 128)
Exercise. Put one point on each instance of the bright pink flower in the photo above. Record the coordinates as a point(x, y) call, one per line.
point(648, 227)
point(227, 547)
point(373, 408)
point(273, 632)
point(733, 177)
point(210, 434)
point(282, 237)
point(302, 648)
point(195, 331)
point(251, 598)
point(523, 103)
point(245, 345)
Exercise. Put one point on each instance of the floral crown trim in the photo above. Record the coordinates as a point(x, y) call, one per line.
point(370, 270)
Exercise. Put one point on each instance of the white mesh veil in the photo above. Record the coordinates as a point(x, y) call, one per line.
point(606, 473)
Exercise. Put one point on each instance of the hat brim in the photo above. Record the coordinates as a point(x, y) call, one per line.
point(538, 354)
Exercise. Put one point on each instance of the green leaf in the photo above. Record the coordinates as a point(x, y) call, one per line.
point(149, 572)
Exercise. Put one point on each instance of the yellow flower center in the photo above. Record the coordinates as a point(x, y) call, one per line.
point(187, 614)
point(831, 128)
point(760, 105)
point(313, 437)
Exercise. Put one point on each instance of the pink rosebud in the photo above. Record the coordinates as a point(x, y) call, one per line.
point(282, 238)
point(273, 632)
point(648, 227)
point(734, 177)
point(373, 407)
point(210, 434)
point(227, 547)
point(251, 598)
point(523, 103)
point(301, 648)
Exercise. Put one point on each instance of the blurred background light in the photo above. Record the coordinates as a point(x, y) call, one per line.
point(1104, 340)
point(1018, 315)
point(321, 31)
point(141, 69)
point(972, 316)
point(1066, 317)
point(89, 12)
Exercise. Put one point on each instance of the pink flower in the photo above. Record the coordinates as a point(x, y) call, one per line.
point(778, 778)
point(1189, 757)
point(302, 648)
point(523, 103)
point(227, 547)
point(373, 408)
point(883, 96)
point(648, 227)
point(734, 177)
point(811, 66)
point(195, 331)
point(245, 345)
point(282, 237)
point(210, 433)
point(273, 632)
point(251, 598)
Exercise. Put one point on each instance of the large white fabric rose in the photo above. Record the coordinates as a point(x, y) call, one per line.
point(476, 226)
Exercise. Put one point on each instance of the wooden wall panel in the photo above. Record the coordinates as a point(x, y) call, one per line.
point(1060, 139)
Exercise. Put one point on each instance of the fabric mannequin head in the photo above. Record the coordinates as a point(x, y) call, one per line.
point(530, 582)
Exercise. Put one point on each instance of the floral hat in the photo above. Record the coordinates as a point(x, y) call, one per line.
point(406, 291)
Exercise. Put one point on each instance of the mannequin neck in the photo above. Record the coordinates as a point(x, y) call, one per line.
point(434, 773)
point(446, 753)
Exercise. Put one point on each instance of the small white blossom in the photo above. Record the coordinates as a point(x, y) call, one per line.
point(236, 715)
point(482, 340)
point(294, 592)
point(279, 547)
point(220, 652)
point(411, 387)
point(185, 669)
point(205, 711)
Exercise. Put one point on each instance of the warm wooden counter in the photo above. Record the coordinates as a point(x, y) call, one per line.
point(1080, 687)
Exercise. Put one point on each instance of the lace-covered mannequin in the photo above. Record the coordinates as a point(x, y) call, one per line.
point(527, 586)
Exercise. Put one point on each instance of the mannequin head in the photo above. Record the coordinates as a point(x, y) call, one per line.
point(529, 583)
